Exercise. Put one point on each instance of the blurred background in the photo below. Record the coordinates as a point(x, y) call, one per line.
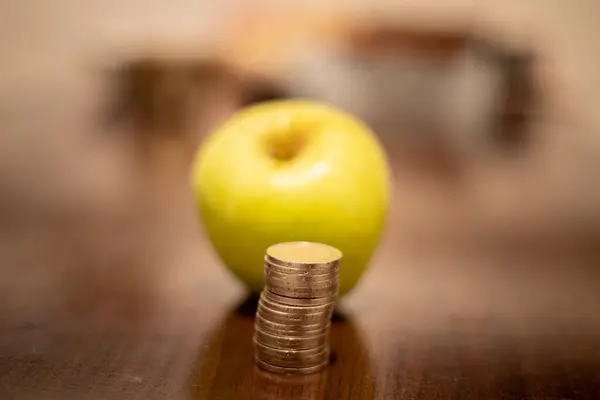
point(487, 111)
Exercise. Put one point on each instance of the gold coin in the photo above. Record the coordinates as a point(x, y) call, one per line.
point(294, 309)
point(289, 353)
point(287, 370)
point(305, 278)
point(296, 319)
point(292, 358)
point(289, 329)
point(313, 322)
point(293, 301)
point(283, 288)
point(302, 285)
point(299, 319)
point(302, 254)
point(309, 269)
point(291, 342)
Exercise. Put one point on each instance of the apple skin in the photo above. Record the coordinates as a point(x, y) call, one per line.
point(331, 185)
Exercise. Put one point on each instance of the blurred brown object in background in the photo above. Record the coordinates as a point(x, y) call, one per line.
point(510, 73)
point(258, 90)
point(522, 98)
point(161, 95)
point(425, 148)
point(164, 96)
point(162, 107)
point(374, 41)
point(521, 94)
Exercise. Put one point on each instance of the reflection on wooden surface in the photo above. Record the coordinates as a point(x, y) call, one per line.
point(111, 290)
point(130, 302)
point(231, 350)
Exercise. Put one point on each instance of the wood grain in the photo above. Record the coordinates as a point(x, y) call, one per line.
point(131, 303)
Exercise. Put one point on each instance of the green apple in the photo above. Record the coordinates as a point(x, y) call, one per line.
point(292, 170)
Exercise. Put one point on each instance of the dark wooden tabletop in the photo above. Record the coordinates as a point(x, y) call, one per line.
point(131, 303)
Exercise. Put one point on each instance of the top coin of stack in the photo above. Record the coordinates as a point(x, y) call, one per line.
point(303, 270)
point(295, 308)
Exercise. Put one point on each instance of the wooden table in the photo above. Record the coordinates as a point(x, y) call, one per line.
point(132, 304)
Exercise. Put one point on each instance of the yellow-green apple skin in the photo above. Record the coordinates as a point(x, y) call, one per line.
point(292, 170)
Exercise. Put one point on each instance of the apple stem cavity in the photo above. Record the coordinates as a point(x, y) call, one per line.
point(286, 145)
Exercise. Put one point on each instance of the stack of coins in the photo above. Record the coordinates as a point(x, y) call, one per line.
point(295, 308)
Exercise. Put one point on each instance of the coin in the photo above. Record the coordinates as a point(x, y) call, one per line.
point(293, 301)
point(287, 329)
point(321, 289)
point(292, 358)
point(301, 285)
point(303, 314)
point(304, 269)
point(265, 324)
point(305, 293)
point(291, 342)
point(288, 370)
point(303, 254)
point(294, 309)
point(294, 319)
point(295, 313)
point(304, 278)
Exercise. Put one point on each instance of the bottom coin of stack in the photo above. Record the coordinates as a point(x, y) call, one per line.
point(295, 308)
